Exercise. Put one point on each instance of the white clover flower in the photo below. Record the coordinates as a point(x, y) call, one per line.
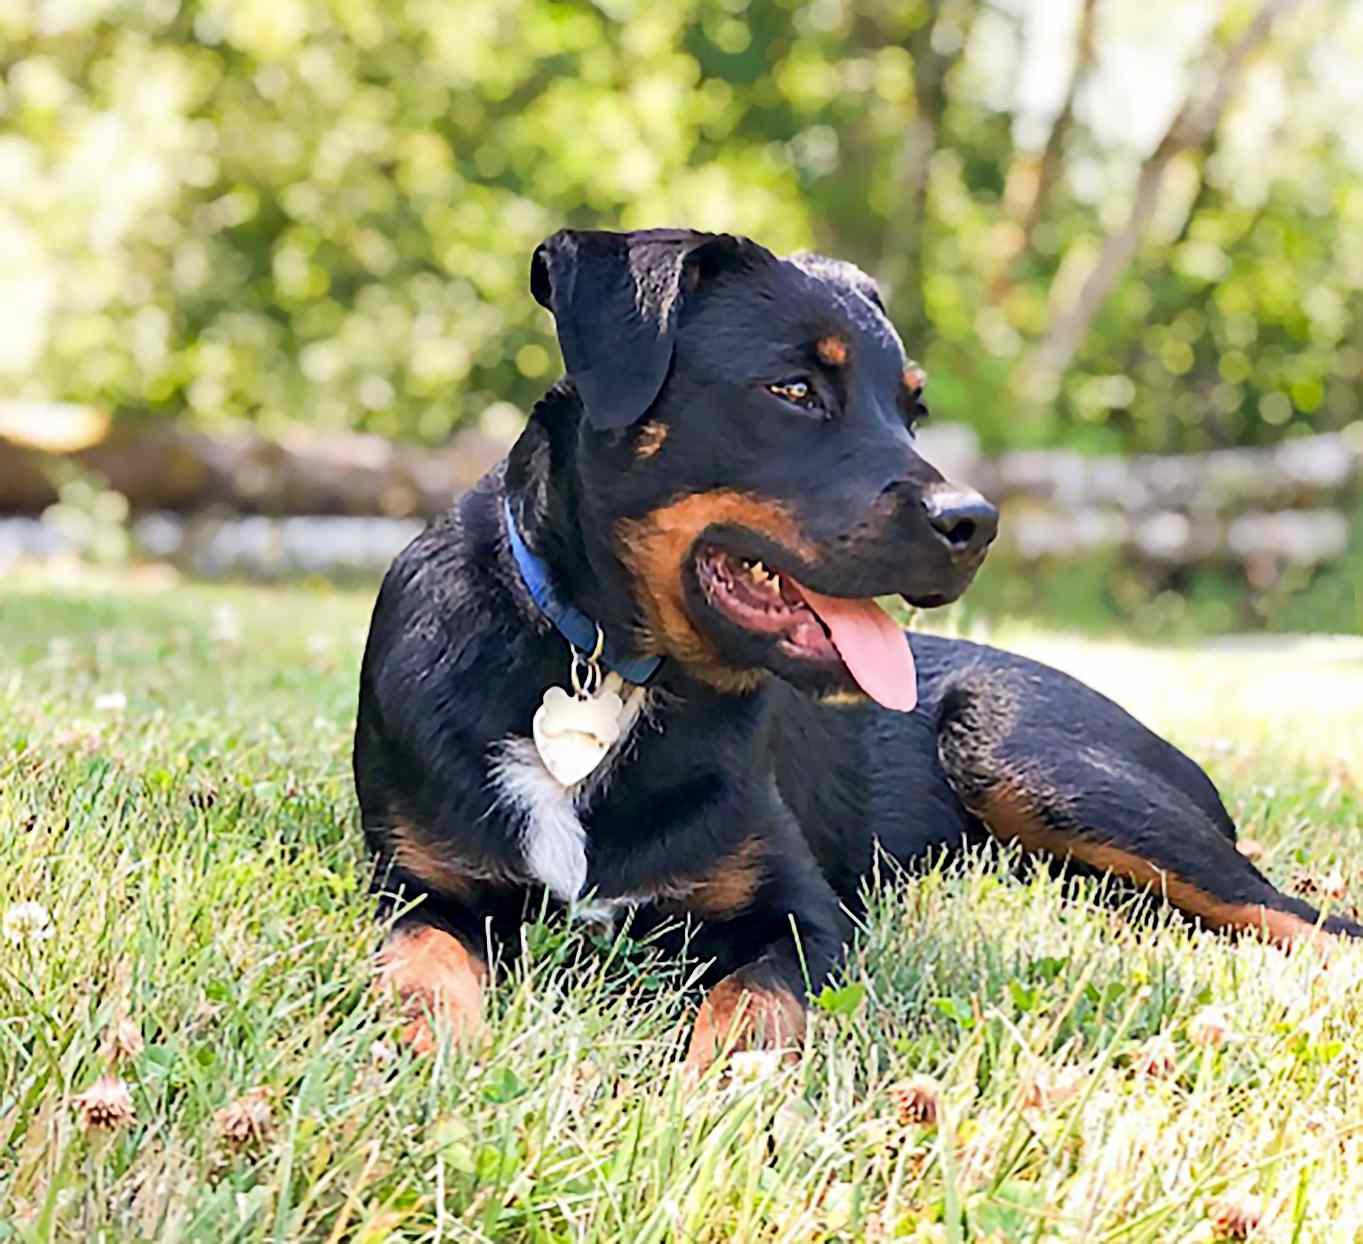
point(1210, 1026)
point(226, 625)
point(28, 922)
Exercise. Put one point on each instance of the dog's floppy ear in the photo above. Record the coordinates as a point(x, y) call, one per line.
point(615, 299)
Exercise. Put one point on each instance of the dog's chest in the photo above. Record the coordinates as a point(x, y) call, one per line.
point(553, 838)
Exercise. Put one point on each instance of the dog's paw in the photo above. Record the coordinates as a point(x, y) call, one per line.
point(740, 1013)
point(438, 981)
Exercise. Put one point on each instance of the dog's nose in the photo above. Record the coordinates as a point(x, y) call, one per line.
point(965, 521)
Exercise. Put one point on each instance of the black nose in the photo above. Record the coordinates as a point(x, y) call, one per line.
point(964, 520)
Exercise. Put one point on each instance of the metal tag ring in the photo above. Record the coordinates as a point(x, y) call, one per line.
point(585, 672)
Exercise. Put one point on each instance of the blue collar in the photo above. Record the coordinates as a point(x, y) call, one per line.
point(574, 625)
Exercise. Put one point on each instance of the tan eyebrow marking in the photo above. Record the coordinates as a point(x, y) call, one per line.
point(915, 378)
point(832, 350)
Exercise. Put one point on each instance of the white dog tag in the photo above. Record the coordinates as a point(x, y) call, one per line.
point(573, 733)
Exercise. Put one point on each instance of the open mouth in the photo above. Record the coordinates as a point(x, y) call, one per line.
point(810, 627)
point(762, 601)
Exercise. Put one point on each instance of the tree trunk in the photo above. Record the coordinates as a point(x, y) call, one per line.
point(1037, 175)
point(900, 265)
point(1190, 128)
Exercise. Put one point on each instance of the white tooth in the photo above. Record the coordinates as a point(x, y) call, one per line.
point(779, 586)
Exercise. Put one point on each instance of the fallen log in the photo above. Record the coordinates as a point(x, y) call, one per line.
point(1296, 474)
point(263, 547)
point(160, 467)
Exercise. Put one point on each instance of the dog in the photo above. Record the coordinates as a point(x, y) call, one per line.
point(640, 665)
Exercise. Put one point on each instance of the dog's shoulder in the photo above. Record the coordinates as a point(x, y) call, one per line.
point(453, 560)
point(452, 618)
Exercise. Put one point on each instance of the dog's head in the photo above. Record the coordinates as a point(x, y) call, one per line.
point(746, 457)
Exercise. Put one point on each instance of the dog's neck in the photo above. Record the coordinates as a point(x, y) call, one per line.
point(544, 486)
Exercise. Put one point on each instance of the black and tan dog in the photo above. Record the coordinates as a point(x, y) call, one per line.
point(686, 542)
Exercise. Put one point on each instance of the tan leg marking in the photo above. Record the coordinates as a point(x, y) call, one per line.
point(653, 549)
point(1008, 819)
point(420, 856)
point(737, 1014)
point(439, 982)
point(728, 888)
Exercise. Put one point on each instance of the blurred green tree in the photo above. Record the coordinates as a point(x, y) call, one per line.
point(1113, 223)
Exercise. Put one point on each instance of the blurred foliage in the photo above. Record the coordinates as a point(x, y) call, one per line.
point(322, 210)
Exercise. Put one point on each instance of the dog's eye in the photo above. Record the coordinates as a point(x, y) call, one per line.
point(797, 392)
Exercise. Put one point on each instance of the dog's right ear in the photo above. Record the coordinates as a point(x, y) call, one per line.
point(615, 298)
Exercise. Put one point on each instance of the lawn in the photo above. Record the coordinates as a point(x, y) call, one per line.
point(175, 794)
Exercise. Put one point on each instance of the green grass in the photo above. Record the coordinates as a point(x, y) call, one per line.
point(198, 851)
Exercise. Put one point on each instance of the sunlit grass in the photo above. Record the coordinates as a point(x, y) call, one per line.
point(175, 793)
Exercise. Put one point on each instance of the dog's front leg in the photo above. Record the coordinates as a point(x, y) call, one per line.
point(438, 979)
point(755, 1006)
point(797, 931)
point(433, 957)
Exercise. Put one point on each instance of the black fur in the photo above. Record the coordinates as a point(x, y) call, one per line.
point(754, 791)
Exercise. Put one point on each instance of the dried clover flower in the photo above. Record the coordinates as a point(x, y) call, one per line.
point(1236, 1215)
point(249, 1119)
point(106, 1104)
point(123, 1042)
point(917, 1100)
point(1157, 1057)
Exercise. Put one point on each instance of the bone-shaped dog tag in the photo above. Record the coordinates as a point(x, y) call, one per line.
point(573, 735)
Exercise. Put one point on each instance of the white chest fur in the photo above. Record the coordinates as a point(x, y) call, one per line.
point(553, 838)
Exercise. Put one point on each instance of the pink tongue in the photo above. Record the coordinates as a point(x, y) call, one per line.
point(871, 645)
